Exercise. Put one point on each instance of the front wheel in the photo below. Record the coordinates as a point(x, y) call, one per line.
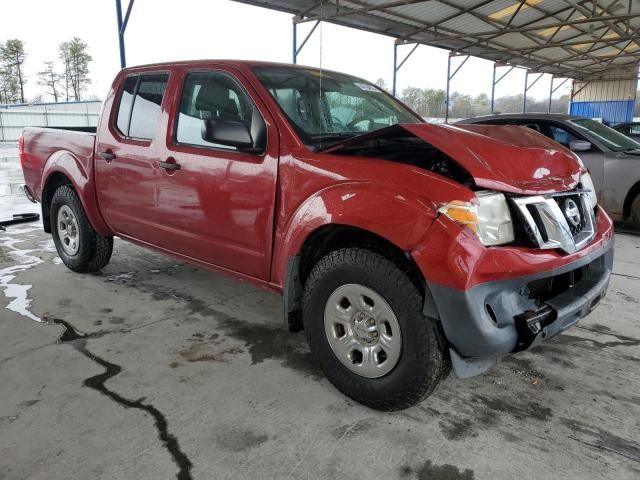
point(80, 248)
point(364, 324)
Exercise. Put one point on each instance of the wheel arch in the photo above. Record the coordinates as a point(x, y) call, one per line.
point(63, 168)
point(633, 192)
point(326, 239)
point(54, 181)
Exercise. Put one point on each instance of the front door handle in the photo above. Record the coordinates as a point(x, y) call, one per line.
point(169, 165)
point(109, 156)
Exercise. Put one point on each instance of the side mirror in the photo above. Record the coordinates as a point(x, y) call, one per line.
point(227, 132)
point(579, 146)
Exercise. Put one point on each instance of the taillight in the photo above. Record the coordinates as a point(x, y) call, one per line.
point(21, 149)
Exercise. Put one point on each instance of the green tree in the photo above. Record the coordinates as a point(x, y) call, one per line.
point(75, 59)
point(12, 58)
point(63, 55)
point(50, 79)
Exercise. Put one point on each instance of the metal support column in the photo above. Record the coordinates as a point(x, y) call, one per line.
point(527, 87)
point(449, 78)
point(122, 27)
point(296, 50)
point(553, 90)
point(397, 66)
point(496, 82)
point(493, 88)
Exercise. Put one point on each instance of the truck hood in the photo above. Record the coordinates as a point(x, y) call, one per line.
point(498, 157)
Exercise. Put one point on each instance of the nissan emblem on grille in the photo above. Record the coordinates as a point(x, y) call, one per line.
point(572, 212)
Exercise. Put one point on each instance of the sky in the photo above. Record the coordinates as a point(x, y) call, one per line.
point(165, 30)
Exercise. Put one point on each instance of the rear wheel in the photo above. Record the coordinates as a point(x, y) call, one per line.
point(364, 324)
point(634, 214)
point(80, 248)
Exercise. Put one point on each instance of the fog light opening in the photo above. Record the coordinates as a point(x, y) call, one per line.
point(491, 313)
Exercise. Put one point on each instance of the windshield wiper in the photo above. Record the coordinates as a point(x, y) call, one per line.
point(327, 140)
point(333, 135)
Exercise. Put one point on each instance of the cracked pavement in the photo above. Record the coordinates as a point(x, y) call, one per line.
point(155, 369)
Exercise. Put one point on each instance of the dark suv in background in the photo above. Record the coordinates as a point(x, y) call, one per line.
point(612, 158)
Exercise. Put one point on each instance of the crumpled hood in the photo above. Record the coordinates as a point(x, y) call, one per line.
point(499, 157)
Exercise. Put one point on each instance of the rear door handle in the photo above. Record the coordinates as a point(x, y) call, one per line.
point(169, 165)
point(108, 156)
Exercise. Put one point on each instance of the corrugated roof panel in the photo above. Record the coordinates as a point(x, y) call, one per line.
point(503, 11)
point(467, 23)
point(432, 13)
point(466, 33)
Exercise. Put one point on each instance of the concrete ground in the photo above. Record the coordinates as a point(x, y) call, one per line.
point(155, 369)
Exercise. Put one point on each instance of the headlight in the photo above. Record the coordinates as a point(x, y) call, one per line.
point(587, 184)
point(489, 218)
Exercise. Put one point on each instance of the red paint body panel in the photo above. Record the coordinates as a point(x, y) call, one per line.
point(247, 214)
point(48, 151)
point(450, 255)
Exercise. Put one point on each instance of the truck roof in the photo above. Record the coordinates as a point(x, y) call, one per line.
point(229, 62)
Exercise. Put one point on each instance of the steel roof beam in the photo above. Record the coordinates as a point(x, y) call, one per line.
point(364, 9)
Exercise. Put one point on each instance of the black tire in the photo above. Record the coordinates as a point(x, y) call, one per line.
point(634, 213)
point(94, 251)
point(424, 359)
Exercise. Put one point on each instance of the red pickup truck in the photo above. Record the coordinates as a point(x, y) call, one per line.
point(401, 248)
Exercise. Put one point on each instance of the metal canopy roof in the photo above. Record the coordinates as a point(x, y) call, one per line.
point(586, 39)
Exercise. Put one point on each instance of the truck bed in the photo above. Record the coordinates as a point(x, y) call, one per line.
point(43, 145)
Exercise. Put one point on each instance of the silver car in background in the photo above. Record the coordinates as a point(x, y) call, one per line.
point(612, 158)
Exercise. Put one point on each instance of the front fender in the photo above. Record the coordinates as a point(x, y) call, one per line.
point(80, 173)
point(398, 216)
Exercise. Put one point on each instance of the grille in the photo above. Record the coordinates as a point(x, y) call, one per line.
point(561, 221)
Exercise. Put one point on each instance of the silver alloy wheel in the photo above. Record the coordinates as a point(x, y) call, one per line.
point(68, 230)
point(362, 330)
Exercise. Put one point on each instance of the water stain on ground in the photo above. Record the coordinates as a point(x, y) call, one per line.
point(516, 409)
point(275, 343)
point(600, 439)
point(235, 439)
point(349, 430)
point(626, 298)
point(591, 344)
point(459, 427)
point(201, 352)
point(261, 341)
point(430, 471)
point(523, 367)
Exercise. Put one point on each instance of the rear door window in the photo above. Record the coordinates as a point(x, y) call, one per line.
point(140, 103)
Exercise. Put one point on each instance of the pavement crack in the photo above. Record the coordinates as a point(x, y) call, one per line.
point(78, 341)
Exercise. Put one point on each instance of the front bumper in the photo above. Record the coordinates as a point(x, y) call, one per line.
point(496, 318)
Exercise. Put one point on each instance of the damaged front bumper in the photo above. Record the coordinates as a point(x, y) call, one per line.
point(497, 318)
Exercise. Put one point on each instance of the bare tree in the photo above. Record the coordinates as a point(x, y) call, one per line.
point(51, 79)
point(12, 57)
point(75, 59)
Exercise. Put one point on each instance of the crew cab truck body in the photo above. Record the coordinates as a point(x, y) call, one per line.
point(401, 248)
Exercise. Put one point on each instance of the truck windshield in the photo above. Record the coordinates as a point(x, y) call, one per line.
point(327, 107)
point(613, 140)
